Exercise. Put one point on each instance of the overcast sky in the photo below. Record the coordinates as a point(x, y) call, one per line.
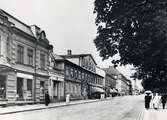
point(69, 24)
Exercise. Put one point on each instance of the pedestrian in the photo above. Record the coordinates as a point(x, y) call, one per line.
point(163, 100)
point(156, 101)
point(47, 98)
point(148, 97)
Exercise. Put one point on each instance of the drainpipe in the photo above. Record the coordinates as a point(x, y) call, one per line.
point(35, 71)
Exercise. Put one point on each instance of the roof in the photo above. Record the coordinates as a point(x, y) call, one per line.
point(63, 59)
point(17, 23)
point(56, 57)
point(78, 55)
point(111, 70)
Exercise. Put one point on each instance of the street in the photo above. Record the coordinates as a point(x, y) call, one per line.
point(119, 108)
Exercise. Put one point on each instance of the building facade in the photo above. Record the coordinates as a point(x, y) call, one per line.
point(111, 75)
point(115, 80)
point(80, 75)
point(24, 56)
point(56, 80)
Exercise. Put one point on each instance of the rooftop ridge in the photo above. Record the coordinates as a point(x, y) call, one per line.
point(14, 18)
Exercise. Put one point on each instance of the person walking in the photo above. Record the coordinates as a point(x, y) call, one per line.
point(156, 101)
point(47, 98)
point(163, 100)
point(147, 100)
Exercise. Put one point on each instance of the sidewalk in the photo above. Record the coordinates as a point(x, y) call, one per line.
point(26, 108)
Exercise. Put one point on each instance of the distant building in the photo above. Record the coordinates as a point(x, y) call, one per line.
point(114, 80)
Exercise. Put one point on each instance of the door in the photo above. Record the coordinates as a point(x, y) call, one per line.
point(20, 88)
point(2, 87)
point(55, 89)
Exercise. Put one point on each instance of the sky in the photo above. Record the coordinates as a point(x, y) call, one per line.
point(69, 24)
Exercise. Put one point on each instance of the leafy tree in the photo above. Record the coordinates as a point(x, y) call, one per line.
point(137, 31)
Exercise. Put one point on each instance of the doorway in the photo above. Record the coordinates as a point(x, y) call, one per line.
point(20, 88)
point(2, 86)
point(55, 90)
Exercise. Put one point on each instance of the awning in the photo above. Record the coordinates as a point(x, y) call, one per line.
point(113, 91)
point(97, 90)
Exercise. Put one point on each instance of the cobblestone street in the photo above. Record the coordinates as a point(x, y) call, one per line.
point(119, 108)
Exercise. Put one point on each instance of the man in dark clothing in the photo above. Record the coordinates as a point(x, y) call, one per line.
point(47, 98)
point(163, 100)
point(147, 101)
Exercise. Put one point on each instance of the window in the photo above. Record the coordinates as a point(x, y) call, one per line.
point(20, 54)
point(83, 64)
point(79, 74)
point(67, 71)
point(76, 73)
point(8, 47)
point(83, 75)
point(42, 60)
point(30, 57)
point(72, 72)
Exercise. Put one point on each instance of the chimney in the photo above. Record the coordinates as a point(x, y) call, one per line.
point(69, 52)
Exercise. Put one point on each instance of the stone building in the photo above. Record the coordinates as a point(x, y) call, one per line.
point(56, 80)
point(24, 60)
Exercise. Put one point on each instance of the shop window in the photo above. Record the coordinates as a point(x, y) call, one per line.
point(29, 85)
point(20, 54)
point(2, 87)
point(30, 57)
point(29, 88)
point(20, 87)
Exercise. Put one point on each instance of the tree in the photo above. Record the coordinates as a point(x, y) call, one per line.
point(137, 31)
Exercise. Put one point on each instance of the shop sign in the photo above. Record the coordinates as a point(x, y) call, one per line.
point(22, 75)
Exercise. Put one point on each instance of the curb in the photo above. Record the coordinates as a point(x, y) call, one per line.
point(68, 104)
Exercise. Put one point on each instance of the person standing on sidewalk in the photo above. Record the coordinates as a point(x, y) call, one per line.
point(147, 100)
point(47, 98)
point(156, 101)
point(163, 100)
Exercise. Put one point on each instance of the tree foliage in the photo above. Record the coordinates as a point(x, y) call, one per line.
point(137, 31)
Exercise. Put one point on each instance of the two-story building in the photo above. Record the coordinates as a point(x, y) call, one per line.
point(24, 52)
point(83, 68)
